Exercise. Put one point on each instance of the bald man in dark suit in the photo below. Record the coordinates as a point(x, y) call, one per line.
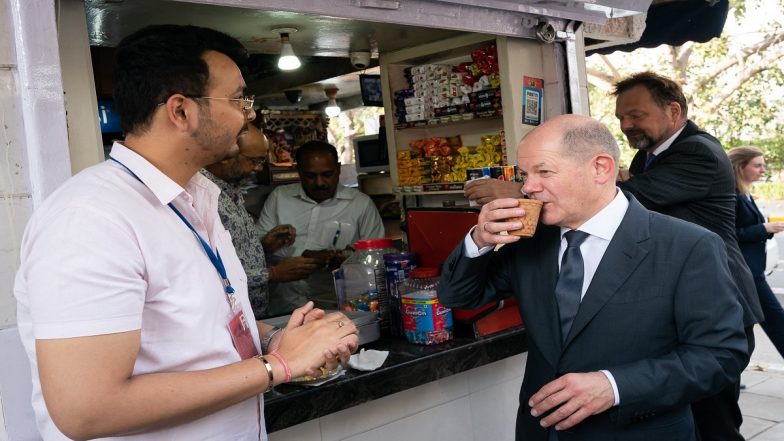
point(630, 315)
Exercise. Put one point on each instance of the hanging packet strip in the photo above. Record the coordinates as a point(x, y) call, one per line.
point(238, 325)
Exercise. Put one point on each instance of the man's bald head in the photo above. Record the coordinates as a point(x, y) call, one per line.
point(253, 151)
point(253, 143)
point(584, 137)
point(570, 164)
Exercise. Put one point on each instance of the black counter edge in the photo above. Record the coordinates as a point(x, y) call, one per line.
point(406, 367)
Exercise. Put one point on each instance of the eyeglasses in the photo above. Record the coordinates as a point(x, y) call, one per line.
point(246, 101)
point(258, 161)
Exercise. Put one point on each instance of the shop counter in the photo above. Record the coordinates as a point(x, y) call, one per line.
point(407, 366)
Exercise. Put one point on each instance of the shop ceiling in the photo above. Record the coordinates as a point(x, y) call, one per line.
point(328, 30)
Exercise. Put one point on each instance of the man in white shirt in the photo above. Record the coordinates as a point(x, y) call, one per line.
point(328, 218)
point(132, 303)
point(630, 315)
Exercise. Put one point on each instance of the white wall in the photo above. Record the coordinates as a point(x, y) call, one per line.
point(15, 196)
point(34, 160)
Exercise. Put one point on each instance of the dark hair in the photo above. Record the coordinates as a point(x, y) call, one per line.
point(663, 90)
point(156, 62)
point(312, 147)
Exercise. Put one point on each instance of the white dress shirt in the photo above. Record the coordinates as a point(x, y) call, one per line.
point(105, 254)
point(351, 215)
point(334, 223)
point(667, 143)
point(601, 229)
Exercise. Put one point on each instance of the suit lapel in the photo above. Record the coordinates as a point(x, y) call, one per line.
point(622, 257)
point(689, 129)
point(754, 209)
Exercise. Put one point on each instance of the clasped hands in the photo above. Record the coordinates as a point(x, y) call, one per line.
point(313, 339)
point(301, 267)
point(572, 398)
point(329, 259)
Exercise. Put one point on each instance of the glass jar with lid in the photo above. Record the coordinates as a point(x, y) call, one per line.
point(361, 280)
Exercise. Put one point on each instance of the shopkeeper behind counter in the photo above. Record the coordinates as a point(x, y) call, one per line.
point(328, 218)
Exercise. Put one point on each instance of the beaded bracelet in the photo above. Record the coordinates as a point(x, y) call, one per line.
point(282, 362)
point(270, 375)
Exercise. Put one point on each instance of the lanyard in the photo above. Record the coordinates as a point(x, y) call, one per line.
point(214, 257)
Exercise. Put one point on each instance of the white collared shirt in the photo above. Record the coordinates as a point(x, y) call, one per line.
point(667, 143)
point(334, 223)
point(601, 227)
point(104, 254)
point(350, 215)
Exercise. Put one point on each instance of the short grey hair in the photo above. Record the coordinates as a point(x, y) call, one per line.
point(585, 139)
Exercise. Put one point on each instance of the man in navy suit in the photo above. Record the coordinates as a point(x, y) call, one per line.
point(683, 171)
point(630, 315)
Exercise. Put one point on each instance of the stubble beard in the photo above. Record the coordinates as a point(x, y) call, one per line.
point(641, 143)
point(645, 141)
point(210, 136)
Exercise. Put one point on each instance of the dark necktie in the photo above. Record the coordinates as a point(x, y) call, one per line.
point(568, 289)
point(648, 161)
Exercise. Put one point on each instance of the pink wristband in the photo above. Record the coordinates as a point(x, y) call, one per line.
point(283, 362)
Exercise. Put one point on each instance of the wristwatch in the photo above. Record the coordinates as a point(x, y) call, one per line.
point(265, 342)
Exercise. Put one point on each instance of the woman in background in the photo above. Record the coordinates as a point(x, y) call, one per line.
point(753, 231)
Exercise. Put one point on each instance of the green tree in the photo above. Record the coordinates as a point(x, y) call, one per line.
point(734, 83)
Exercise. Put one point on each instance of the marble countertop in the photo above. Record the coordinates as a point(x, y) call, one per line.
point(407, 366)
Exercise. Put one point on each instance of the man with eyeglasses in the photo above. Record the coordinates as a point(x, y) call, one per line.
point(229, 175)
point(132, 303)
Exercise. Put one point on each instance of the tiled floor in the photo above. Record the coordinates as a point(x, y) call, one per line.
point(762, 404)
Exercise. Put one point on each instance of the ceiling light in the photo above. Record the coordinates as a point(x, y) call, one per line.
point(332, 110)
point(288, 60)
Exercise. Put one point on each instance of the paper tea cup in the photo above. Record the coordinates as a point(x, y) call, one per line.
point(529, 220)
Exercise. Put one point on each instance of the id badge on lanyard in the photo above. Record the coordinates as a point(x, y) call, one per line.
point(241, 336)
point(239, 327)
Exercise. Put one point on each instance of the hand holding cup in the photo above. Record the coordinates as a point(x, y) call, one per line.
point(530, 218)
point(518, 217)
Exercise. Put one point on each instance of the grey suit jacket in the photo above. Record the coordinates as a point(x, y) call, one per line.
point(661, 314)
